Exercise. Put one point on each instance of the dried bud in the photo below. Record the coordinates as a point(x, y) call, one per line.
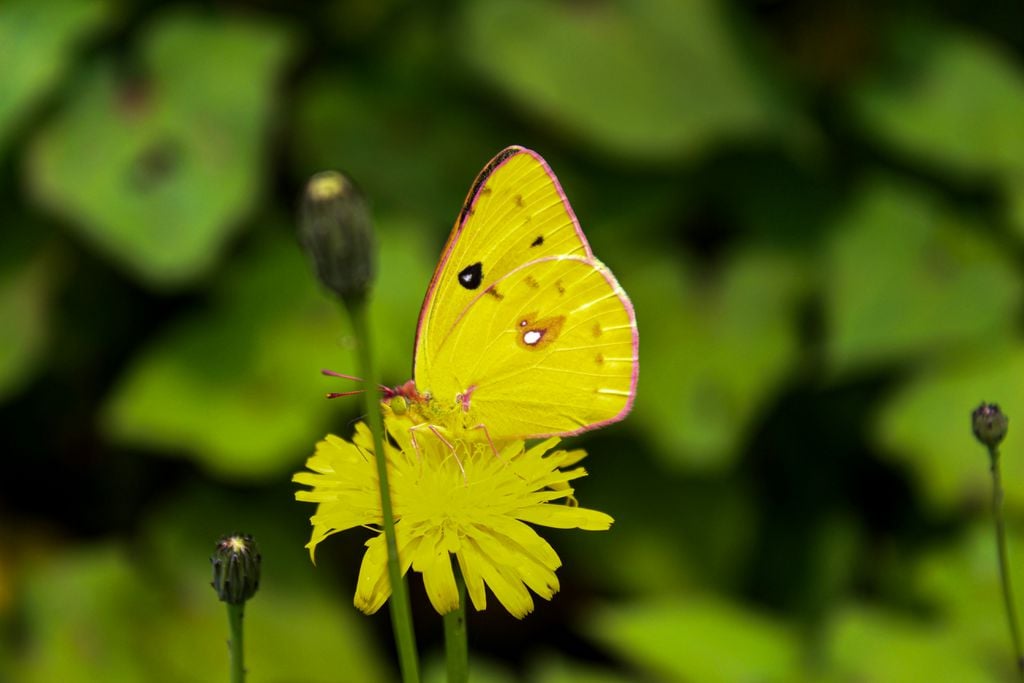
point(236, 568)
point(336, 231)
point(989, 424)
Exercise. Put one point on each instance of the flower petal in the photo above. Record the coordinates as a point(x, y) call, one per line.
point(528, 540)
point(372, 586)
point(565, 517)
point(469, 564)
point(509, 591)
point(518, 563)
point(439, 582)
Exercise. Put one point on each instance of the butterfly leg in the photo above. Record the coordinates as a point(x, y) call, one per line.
point(437, 433)
point(416, 444)
point(494, 449)
point(451, 448)
point(490, 441)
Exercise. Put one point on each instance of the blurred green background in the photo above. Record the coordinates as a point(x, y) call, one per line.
point(817, 208)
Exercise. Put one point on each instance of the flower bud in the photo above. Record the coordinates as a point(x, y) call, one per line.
point(989, 424)
point(337, 234)
point(236, 568)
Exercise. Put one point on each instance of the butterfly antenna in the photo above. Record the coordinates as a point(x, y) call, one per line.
point(340, 394)
point(332, 373)
point(351, 378)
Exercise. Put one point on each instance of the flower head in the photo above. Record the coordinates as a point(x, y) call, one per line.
point(336, 231)
point(452, 495)
point(236, 568)
point(989, 424)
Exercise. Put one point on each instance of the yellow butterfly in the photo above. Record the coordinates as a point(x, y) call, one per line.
point(523, 332)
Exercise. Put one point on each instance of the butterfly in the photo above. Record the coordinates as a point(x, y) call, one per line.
point(523, 332)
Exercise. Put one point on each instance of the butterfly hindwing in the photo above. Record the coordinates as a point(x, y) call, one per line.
point(550, 348)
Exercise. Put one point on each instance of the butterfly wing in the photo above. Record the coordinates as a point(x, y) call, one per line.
point(550, 348)
point(515, 212)
point(522, 328)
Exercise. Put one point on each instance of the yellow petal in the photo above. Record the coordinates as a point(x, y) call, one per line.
point(517, 563)
point(527, 539)
point(468, 565)
point(439, 582)
point(372, 586)
point(565, 517)
point(509, 590)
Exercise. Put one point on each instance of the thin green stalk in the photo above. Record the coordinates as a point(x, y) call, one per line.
point(401, 614)
point(455, 645)
point(235, 643)
point(1004, 563)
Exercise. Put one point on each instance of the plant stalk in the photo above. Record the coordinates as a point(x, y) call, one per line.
point(455, 643)
point(1004, 563)
point(401, 614)
point(236, 612)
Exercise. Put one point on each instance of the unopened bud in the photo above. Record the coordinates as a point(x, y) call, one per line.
point(236, 568)
point(336, 231)
point(989, 424)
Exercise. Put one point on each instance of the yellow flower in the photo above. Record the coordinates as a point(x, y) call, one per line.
point(451, 497)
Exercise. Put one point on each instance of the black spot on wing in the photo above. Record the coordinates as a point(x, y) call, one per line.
point(537, 242)
point(471, 276)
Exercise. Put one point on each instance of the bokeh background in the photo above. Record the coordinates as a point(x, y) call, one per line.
point(817, 208)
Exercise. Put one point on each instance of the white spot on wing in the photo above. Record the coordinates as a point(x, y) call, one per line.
point(531, 337)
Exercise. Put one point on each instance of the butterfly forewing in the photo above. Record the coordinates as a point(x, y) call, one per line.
point(515, 213)
point(550, 348)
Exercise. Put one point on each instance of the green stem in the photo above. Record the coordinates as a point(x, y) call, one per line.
point(235, 614)
point(1004, 563)
point(401, 614)
point(456, 648)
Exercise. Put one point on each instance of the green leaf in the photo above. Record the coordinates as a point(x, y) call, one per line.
point(157, 172)
point(905, 276)
point(961, 581)
point(558, 670)
point(700, 639)
point(410, 147)
point(26, 282)
point(1014, 189)
point(949, 98)
point(713, 351)
point(113, 613)
point(482, 670)
point(37, 41)
point(872, 645)
point(84, 612)
point(927, 426)
point(238, 386)
point(673, 80)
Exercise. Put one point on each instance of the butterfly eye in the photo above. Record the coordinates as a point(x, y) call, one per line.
point(399, 406)
point(470, 277)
